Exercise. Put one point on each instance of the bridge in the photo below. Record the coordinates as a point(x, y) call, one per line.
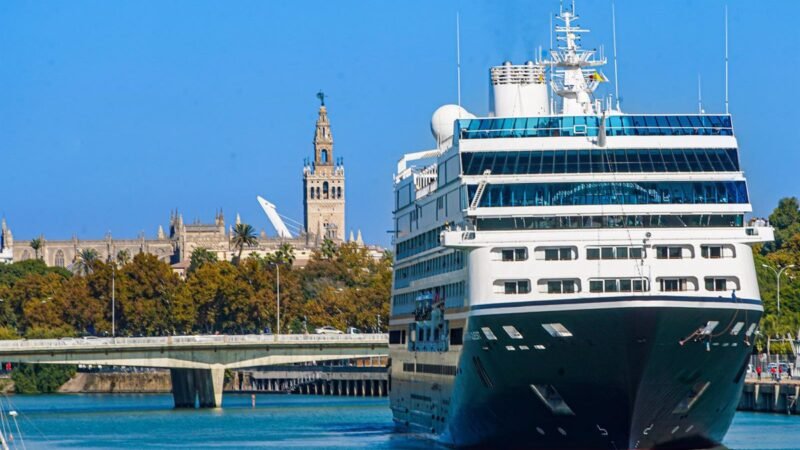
point(197, 363)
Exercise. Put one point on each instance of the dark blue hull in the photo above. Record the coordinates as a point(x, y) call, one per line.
point(630, 377)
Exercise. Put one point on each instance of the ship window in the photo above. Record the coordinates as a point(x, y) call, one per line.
point(514, 254)
point(512, 332)
point(737, 328)
point(556, 330)
point(598, 161)
point(608, 193)
point(619, 285)
point(510, 348)
point(750, 329)
point(517, 287)
point(716, 284)
point(567, 286)
point(614, 253)
point(672, 284)
point(539, 347)
point(678, 284)
point(552, 399)
point(556, 253)
point(711, 251)
point(633, 221)
point(666, 252)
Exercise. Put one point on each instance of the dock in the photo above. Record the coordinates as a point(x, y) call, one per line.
point(766, 395)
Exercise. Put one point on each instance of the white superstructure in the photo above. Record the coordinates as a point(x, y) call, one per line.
point(589, 202)
point(560, 250)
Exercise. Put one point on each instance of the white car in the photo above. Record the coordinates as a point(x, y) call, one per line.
point(328, 330)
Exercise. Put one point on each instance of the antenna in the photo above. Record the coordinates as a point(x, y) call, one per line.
point(699, 95)
point(552, 96)
point(726, 59)
point(614, 38)
point(458, 56)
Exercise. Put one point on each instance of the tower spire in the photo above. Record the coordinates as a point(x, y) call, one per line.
point(323, 139)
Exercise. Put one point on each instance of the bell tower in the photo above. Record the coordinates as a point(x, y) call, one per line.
point(323, 184)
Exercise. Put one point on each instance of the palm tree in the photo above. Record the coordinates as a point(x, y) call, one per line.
point(244, 235)
point(36, 245)
point(123, 257)
point(285, 254)
point(329, 249)
point(86, 260)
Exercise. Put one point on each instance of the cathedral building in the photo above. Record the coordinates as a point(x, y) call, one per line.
point(323, 184)
point(323, 214)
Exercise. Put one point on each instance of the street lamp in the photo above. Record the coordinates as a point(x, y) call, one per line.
point(113, 301)
point(278, 289)
point(778, 273)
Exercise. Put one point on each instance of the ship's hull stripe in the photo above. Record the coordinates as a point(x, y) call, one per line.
point(600, 303)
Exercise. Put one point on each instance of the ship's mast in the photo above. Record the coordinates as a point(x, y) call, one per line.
point(574, 76)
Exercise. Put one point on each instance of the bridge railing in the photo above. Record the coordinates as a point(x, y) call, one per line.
point(190, 340)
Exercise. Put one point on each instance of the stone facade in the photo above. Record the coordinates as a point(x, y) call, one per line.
point(175, 248)
point(323, 186)
point(324, 214)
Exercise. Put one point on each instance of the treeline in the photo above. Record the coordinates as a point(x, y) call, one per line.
point(341, 286)
point(777, 255)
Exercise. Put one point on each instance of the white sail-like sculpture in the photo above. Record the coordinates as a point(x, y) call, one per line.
point(274, 218)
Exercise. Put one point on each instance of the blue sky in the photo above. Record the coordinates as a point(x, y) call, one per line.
point(114, 113)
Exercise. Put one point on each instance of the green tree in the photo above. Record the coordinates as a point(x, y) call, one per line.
point(147, 296)
point(11, 273)
point(244, 235)
point(786, 221)
point(36, 245)
point(35, 379)
point(199, 257)
point(86, 260)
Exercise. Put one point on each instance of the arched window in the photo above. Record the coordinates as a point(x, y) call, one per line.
point(325, 190)
point(59, 261)
point(318, 196)
point(311, 192)
point(339, 192)
point(323, 156)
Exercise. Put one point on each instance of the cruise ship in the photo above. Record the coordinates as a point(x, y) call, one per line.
point(568, 275)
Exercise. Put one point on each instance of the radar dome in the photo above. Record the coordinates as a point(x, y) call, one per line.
point(442, 121)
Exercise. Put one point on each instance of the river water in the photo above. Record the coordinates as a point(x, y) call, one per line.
point(99, 421)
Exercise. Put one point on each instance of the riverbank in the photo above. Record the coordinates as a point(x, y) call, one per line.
point(156, 382)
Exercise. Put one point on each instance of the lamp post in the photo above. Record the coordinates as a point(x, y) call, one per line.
point(113, 301)
point(778, 273)
point(277, 265)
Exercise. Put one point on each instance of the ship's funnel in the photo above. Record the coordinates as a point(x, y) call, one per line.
point(519, 90)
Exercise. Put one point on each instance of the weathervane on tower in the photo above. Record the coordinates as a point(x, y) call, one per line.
point(321, 96)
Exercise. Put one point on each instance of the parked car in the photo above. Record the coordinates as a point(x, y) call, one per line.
point(328, 330)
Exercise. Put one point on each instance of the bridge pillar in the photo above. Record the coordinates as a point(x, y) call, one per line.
point(209, 386)
point(190, 384)
point(183, 391)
